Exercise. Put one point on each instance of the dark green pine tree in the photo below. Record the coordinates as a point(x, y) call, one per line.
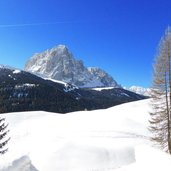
point(3, 126)
point(3, 133)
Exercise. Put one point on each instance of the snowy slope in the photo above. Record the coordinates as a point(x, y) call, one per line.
point(80, 141)
point(102, 88)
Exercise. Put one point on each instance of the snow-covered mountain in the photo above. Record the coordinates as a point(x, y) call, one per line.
point(113, 139)
point(140, 90)
point(59, 63)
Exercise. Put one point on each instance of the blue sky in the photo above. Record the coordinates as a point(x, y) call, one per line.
point(120, 36)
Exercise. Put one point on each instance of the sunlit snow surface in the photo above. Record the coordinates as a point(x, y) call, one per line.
point(103, 88)
point(16, 71)
point(101, 140)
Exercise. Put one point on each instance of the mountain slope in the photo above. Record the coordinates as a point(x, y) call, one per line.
point(140, 90)
point(59, 63)
point(23, 91)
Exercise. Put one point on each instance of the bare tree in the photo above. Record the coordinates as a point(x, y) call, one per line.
point(161, 95)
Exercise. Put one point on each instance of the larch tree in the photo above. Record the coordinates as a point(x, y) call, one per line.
point(160, 122)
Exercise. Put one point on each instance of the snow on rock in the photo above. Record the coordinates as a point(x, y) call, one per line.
point(87, 141)
point(59, 63)
point(68, 87)
point(140, 90)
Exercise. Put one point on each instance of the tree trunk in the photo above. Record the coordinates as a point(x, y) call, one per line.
point(169, 133)
point(168, 113)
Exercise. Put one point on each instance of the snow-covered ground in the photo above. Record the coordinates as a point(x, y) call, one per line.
point(103, 88)
point(103, 140)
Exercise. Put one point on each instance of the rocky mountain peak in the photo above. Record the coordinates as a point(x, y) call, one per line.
point(59, 63)
point(140, 90)
point(60, 49)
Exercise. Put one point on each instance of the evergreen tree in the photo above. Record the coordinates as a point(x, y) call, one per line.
point(161, 95)
point(3, 126)
point(3, 133)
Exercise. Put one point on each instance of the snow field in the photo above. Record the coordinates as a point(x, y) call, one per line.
point(101, 140)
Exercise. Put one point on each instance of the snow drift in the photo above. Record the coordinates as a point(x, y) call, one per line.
point(87, 141)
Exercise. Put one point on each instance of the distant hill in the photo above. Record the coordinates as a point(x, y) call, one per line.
point(23, 91)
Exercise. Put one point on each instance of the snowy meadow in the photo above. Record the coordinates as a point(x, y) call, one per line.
point(112, 139)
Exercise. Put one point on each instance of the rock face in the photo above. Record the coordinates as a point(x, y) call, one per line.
point(58, 63)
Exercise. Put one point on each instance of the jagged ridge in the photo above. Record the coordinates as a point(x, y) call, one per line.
point(59, 63)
